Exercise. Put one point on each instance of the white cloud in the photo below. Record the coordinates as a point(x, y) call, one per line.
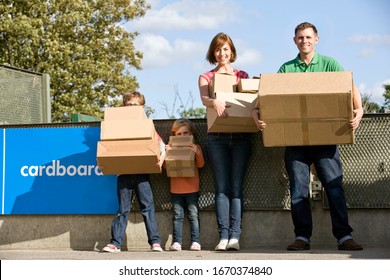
point(187, 15)
point(367, 53)
point(248, 57)
point(159, 52)
point(373, 39)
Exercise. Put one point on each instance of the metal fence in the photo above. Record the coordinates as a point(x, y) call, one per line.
point(24, 96)
point(366, 167)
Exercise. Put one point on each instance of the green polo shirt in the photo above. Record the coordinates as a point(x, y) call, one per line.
point(319, 63)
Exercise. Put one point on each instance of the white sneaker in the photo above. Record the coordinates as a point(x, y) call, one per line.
point(110, 248)
point(233, 245)
point(175, 247)
point(156, 248)
point(221, 245)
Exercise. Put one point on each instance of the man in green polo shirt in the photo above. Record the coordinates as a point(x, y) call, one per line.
point(326, 158)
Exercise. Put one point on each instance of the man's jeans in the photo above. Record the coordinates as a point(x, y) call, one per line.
point(229, 154)
point(181, 203)
point(126, 184)
point(326, 160)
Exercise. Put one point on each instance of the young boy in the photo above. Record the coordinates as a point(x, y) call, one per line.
point(140, 184)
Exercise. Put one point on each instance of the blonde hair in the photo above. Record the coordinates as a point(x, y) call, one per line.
point(177, 124)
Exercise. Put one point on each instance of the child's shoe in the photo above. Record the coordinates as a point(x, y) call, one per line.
point(111, 248)
point(156, 248)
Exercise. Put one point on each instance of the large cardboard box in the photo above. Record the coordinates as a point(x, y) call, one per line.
point(303, 109)
point(129, 156)
point(180, 162)
point(239, 107)
point(128, 122)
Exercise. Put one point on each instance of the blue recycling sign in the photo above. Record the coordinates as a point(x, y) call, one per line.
point(53, 170)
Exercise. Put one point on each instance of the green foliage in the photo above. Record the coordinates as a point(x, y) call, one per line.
point(386, 95)
point(197, 113)
point(79, 43)
point(369, 106)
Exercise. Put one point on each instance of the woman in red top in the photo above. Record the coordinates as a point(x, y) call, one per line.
point(228, 153)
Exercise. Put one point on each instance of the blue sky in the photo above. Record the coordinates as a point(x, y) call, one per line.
point(175, 35)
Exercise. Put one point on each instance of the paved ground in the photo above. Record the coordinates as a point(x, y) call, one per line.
point(253, 254)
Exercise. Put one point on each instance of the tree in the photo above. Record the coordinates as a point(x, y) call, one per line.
point(368, 105)
point(79, 43)
point(186, 108)
point(386, 95)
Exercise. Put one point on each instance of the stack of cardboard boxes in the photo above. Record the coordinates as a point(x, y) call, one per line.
point(240, 100)
point(128, 142)
point(300, 109)
point(180, 159)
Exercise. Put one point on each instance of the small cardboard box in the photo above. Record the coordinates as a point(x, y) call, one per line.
point(180, 162)
point(124, 113)
point(128, 122)
point(248, 85)
point(129, 156)
point(239, 108)
point(127, 129)
point(223, 83)
point(303, 109)
point(181, 141)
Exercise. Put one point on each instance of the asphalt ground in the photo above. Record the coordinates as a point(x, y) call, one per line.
point(246, 264)
point(244, 254)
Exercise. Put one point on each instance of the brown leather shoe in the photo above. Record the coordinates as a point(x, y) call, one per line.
point(350, 245)
point(298, 245)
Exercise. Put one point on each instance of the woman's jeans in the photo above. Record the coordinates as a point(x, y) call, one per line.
point(126, 184)
point(326, 160)
point(229, 155)
point(181, 203)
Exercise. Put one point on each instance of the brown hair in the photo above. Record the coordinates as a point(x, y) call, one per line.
point(177, 124)
point(305, 25)
point(133, 94)
point(218, 41)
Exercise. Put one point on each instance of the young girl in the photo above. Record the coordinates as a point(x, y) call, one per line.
point(185, 193)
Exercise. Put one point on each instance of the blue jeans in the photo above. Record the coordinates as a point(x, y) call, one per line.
point(326, 160)
point(229, 155)
point(182, 202)
point(126, 184)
